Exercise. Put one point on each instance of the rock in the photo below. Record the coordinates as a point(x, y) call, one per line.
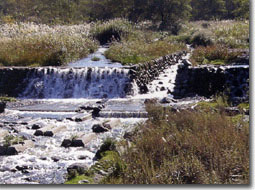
point(77, 143)
point(81, 157)
point(36, 126)
point(112, 124)
point(48, 134)
point(3, 150)
point(38, 133)
point(87, 138)
point(162, 88)
point(66, 143)
point(80, 117)
point(160, 82)
point(167, 100)
point(151, 101)
point(83, 182)
point(43, 158)
point(99, 128)
point(55, 158)
point(2, 107)
point(77, 167)
point(11, 151)
point(3, 133)
point(22, 147)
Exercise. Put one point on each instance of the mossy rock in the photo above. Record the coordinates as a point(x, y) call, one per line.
point(78, 179)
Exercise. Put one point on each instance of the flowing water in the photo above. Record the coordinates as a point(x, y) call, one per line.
point(51, 99)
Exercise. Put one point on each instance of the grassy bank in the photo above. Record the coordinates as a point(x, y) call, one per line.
point(200, 147)
point(216, 42)
point(28, 44)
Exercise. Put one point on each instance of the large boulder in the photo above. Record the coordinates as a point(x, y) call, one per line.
point(7, 151)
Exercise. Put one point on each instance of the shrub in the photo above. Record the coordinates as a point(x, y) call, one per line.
point(188, 148)
point(216, 54)
point(111, 30)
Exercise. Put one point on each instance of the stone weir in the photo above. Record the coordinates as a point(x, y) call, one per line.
point(49, 82)
point(83, 82)
point(210, 80)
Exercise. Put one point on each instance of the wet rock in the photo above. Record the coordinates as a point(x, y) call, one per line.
point(66, 143)
point(77, 143)
point(38, 133)
point(48, 134)
point(11, 151)
point(99, 128)
point(82, 157)
point(77, 167)
point(162, 88)
point(55, 158)
point(2, 107)
point(36, 126)
point(111, 124)
point(24, 146)
point(168, 100)
point(3, 150)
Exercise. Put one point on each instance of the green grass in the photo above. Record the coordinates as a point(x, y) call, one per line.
point(78, 178)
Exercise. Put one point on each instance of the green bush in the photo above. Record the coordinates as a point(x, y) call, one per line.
point(111, 30)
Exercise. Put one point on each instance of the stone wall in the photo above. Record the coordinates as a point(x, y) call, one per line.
point(144, 73)
point(210, 80)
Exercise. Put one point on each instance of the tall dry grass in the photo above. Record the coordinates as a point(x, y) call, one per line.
point(27, 44)
point(187, 148)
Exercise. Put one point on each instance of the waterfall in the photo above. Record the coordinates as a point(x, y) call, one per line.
point(84, 82)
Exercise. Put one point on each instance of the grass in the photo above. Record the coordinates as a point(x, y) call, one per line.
point(28, 44)
point(95, 59)
point(187, 148)
point(114, 29)
point(139, 50)
point(7, 99)
point(215, 54)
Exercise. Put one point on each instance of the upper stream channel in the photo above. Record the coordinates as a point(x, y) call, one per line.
point(62, 103)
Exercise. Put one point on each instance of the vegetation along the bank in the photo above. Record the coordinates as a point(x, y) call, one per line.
point(206, 145)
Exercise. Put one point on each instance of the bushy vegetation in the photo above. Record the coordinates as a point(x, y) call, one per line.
point(139, 50)
point(187, 148)
point(28, 44)
point(110, 30)
point(216, 54)
point(167, 13)
point(215, 42)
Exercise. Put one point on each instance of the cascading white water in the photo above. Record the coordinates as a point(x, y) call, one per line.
point(76, 83)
